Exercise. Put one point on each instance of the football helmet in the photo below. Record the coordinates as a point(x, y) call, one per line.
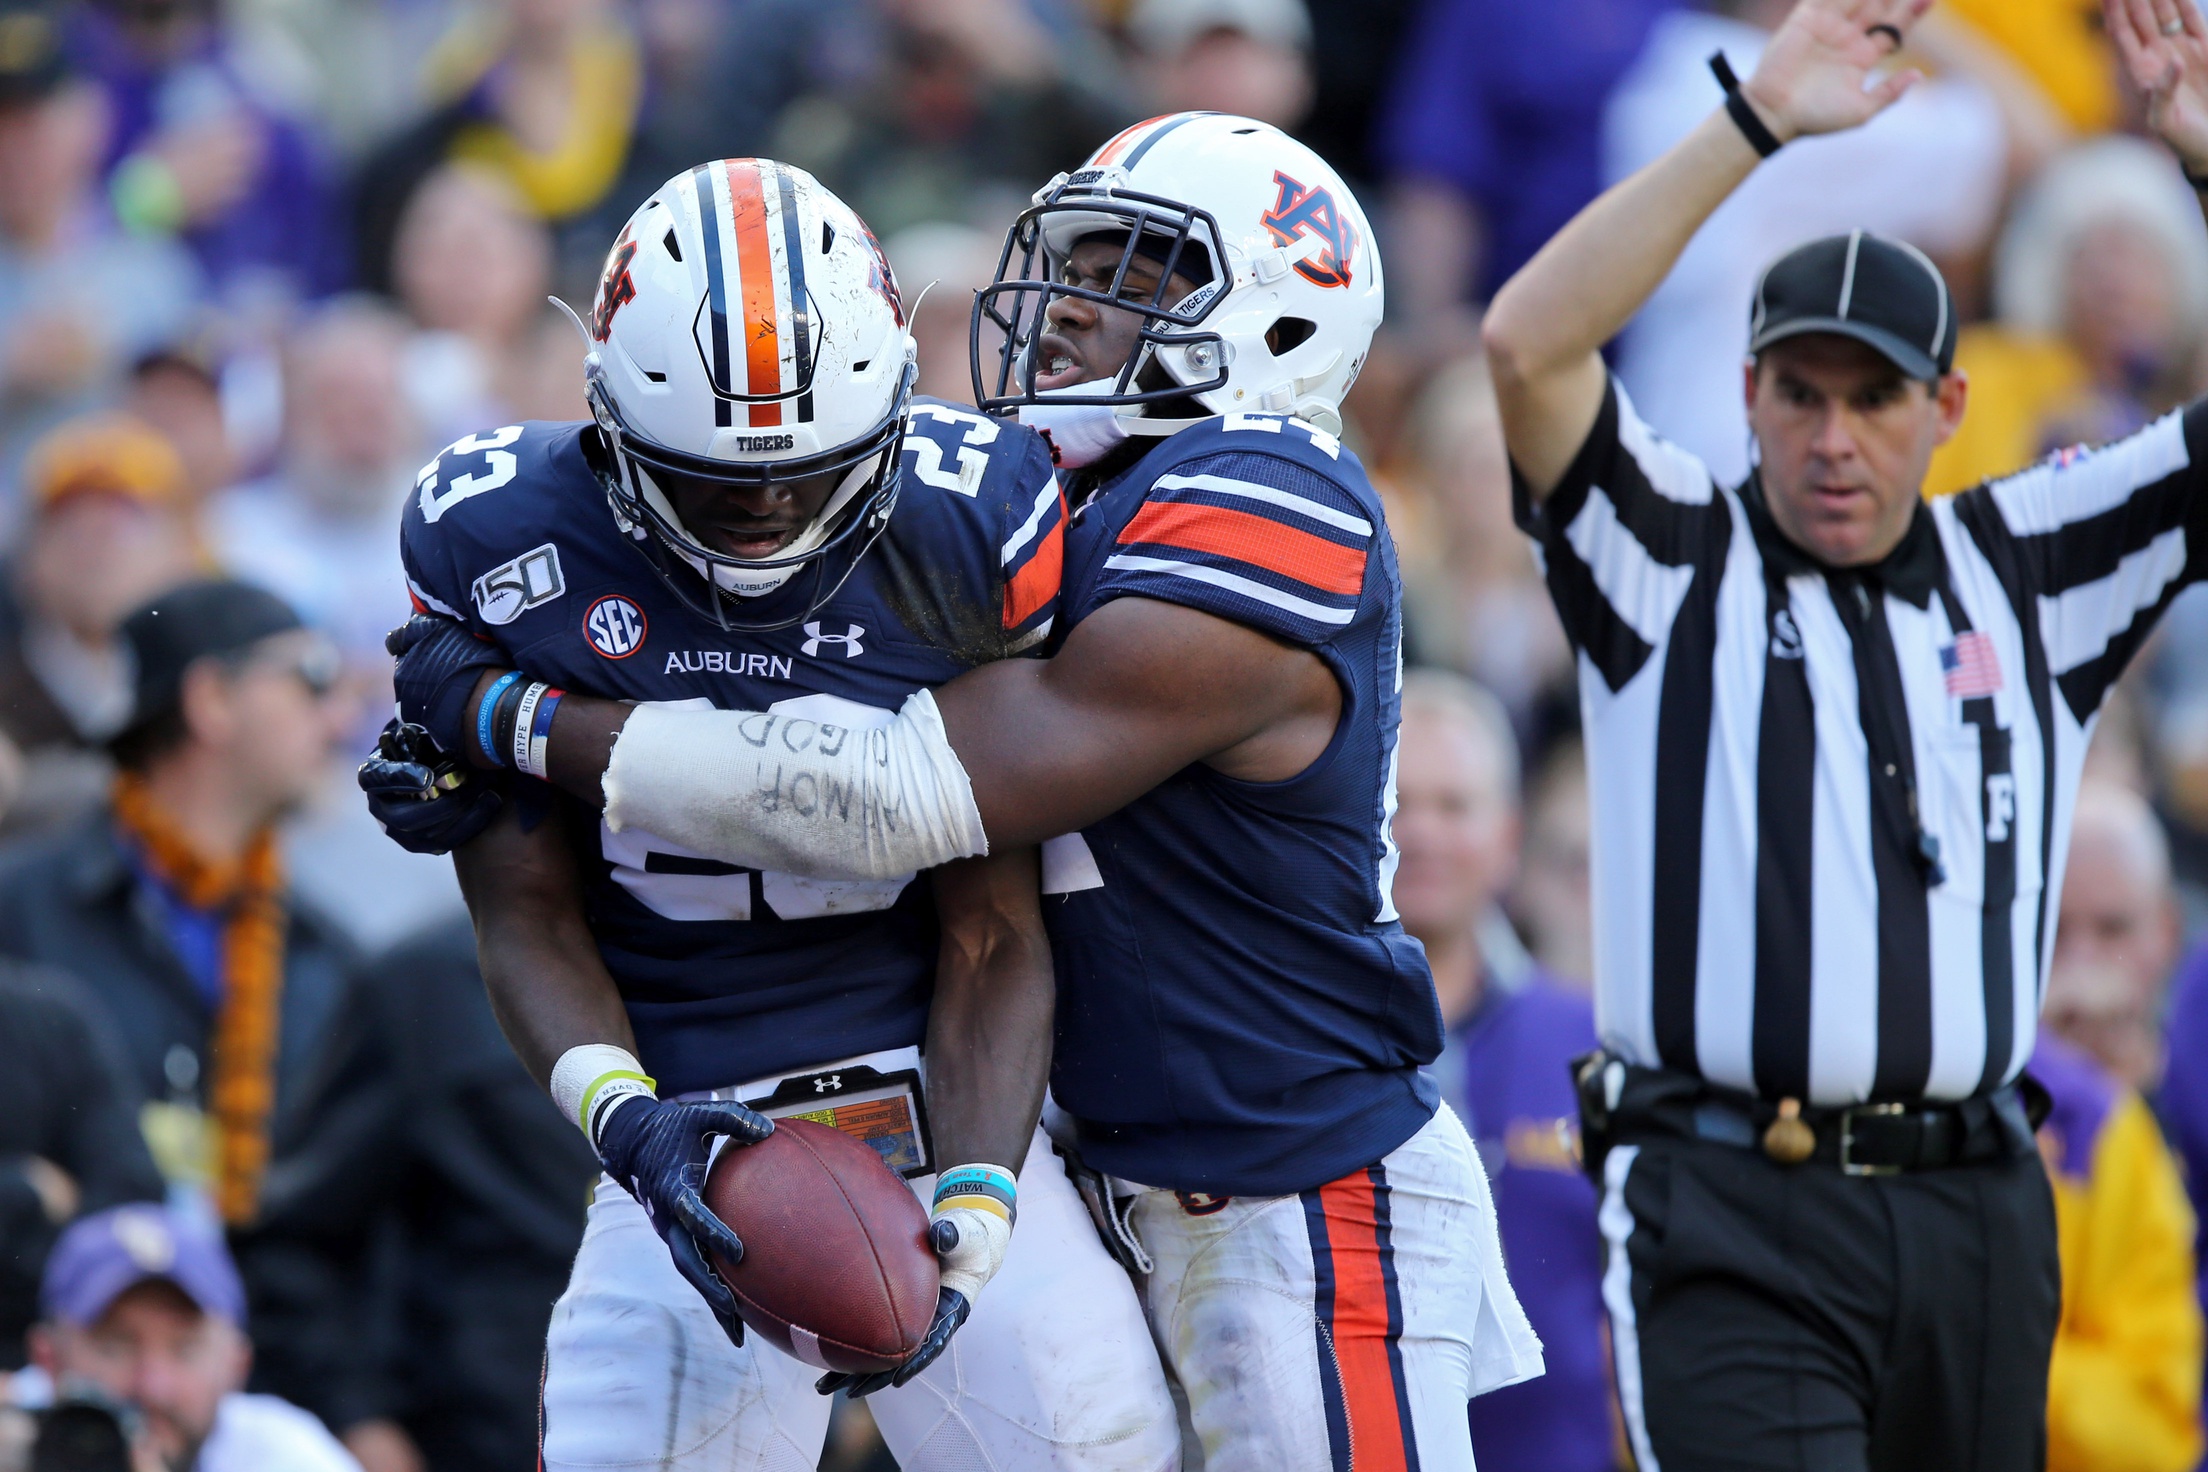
point(747, 330)
point(1289, 284)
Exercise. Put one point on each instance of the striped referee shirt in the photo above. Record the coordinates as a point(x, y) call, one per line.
point(1831, 805)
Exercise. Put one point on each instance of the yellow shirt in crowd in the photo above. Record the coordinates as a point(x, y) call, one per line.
point(2018, 385)
point(2123, 1393)
point(2061, 45)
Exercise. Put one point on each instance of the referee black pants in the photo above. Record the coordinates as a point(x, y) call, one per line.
point(1768, 1317)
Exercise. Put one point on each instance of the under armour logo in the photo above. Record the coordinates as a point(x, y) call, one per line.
point(828, 1083)
point(1786, 639)
point(852, 648)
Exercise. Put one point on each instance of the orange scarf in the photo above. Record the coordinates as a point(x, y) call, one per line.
point(241, 1093)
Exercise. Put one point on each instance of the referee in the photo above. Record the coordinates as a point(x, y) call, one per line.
point(1834, 738)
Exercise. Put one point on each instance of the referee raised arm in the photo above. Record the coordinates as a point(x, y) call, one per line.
point(1834, 736)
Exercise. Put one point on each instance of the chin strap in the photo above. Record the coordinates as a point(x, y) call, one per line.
point(1082, 434)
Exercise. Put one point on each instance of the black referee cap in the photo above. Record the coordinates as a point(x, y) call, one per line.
point(1878, 291)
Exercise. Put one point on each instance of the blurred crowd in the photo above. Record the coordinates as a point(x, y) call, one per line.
point(273, 1194)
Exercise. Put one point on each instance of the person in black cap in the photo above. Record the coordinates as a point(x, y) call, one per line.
point(169, 901)
point(1834, 740)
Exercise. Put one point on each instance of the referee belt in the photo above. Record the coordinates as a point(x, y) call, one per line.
point(1622, 1103)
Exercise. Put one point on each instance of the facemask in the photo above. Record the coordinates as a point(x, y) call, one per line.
point(745, 582)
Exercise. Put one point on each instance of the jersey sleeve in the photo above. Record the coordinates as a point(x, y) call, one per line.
point(1622, 536)
point(1249, 536)
point(986, 512)
point(431, 562)
point(2101, 541)
point(1031, 555)
point(481, 500)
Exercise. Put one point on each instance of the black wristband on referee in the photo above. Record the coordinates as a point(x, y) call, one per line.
point(2198, 181)
point(1742, 111)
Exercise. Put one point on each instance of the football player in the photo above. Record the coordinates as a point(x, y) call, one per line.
point(1207, 760)
point(761, 516)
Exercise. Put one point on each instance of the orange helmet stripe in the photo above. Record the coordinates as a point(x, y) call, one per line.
point(747, 202)
point(1113, 149)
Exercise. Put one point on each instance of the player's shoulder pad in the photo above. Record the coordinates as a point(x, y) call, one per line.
point(957, 453)
point(980, 501)
point(1272, 436)
point(1256, 517)
point(496, 494)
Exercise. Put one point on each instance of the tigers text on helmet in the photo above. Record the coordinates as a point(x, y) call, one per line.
point(1287, 281)
point(747, 332)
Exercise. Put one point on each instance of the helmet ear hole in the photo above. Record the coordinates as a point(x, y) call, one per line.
point(1288, 334)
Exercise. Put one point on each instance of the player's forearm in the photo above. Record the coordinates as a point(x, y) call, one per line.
point(584, 730)
point(1545, 329)
point(989, 1026)
point(540, 964)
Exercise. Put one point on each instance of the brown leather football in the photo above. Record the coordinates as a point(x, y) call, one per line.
point(837, 1269)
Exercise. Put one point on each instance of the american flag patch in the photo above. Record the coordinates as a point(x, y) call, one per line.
point(1970, 666)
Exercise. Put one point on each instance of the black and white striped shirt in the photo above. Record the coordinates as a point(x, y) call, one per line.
point(1831, 807)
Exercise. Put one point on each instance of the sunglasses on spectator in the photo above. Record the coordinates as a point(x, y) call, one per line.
point(316, 664)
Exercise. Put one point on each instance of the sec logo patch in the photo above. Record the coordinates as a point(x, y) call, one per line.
point(615, 626)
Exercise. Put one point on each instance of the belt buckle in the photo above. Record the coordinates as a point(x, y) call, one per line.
point(1847, 1139)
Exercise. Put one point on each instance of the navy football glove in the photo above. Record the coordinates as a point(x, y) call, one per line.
point(951, 1309)
point(657, 1150)
point(427, 800)
point(440, 663)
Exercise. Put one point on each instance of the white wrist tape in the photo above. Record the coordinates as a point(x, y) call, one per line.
point(590, 1080)
point(981, 1201)
point(772, 791)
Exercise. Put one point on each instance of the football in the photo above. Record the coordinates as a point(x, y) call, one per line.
point(837, 1269)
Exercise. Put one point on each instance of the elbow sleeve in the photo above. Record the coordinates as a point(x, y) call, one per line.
point(768, 790)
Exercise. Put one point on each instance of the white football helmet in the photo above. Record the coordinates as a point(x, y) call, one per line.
point(747, 330)
point(1290, 286)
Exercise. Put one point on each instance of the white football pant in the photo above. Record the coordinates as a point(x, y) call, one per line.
point(1343, 1329)
point(1054, 1370)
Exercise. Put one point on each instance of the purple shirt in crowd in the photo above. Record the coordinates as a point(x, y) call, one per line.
point(2082, 1093)
point(2183, 1102)
point(1515, 1094)
point(286, 221)
point(1504, 100)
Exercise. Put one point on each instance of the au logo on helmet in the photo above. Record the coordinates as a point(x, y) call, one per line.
point(1300, 211)
point(616, 290)
point(615, 626)
point(881, 278)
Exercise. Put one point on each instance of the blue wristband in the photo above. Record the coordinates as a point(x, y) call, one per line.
point(987, 1187)
point(486, 716)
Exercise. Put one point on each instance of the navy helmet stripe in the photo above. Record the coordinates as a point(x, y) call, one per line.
point(709, 225)
point(801, 316)
point(1159, 132)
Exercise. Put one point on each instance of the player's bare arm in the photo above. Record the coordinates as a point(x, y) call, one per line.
point(1545, 330)
point(989, 1023)
point(557, 1006)
point(540, 964)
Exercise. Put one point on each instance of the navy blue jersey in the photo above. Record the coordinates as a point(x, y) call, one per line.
point(730, 974)
point(1240, 1011)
